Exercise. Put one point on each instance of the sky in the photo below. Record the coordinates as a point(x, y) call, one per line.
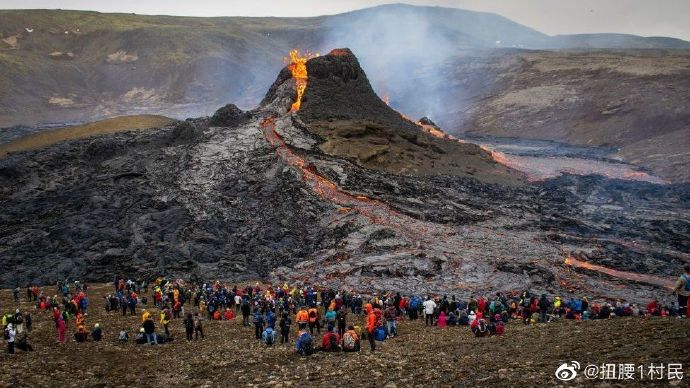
point(640, 17)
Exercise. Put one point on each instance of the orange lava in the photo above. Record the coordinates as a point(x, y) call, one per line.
point(376, 211)
point(298, 67)
point(338, 52)
point(631, 276)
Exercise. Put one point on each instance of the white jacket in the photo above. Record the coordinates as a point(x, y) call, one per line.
point(12, 333)
point(429, 306)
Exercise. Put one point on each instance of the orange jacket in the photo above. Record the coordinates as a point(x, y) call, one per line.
point(371, 319)
point(302, 316)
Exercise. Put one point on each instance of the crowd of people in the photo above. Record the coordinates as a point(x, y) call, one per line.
point(343, 319)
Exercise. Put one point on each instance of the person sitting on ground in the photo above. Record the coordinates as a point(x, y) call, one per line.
point(123, 336)
point(330, 341)
point(141, 337)
point(351, 340)
point(479, 327)
point(452, 319)
point(268, 337)
point(472, 317)
point(81, 335)
point(304, 344)
point(97, 333)
point(463, 319)
point(150, 331)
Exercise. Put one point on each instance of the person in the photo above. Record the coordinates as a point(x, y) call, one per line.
point(268, 337)
point(145, 315)
point(429, 308)
point(258, 320)
point(351, 340)
point(245, 312)
point(141, 337)
point(97, 332)
point(165, 317)
point(284, 324)
point(442, 320)
point(198, 329)
point(371, 326)
point(304, 344)
point(29, 322)
point(10, 335)
point(330, 342)
point(391, 316)
point(62, 329)
point(302, 317)
point(23, 343)
point(150, 331)
point(682, 290)
point(314, 320)
point(188, 326)
point(123, 336)
point(81, 335)
point(18, 321)
point(228, 315)
point(544, 305)
point(479, 327)
point(341, 318)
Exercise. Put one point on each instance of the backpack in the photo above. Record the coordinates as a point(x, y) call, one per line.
point(414, 303)
point(306, 344)
point(380, 334)
point(7, 334)
point(18, 319)
point(687, 282)
point(312, 315)
point(349, 341)
point(332, 342)
point(378, 321)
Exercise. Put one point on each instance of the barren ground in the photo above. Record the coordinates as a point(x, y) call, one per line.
point(229, 356)
point(112, 125)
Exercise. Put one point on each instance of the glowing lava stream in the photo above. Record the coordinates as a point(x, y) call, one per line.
point(635, 277)
point(298, 67)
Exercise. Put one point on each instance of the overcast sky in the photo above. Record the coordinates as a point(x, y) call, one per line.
point(640, 17)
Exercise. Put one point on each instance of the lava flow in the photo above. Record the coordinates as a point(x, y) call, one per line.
point(378, 212)
point(298, 67)
point(631, 276)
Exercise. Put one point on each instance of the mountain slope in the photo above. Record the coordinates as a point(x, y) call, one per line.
point(77, 66)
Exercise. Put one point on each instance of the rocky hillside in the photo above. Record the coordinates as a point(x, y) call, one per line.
point(260, 194)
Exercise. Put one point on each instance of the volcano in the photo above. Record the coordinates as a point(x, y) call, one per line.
point(323, 182)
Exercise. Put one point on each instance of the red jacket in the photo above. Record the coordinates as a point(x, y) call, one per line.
point(325, 341)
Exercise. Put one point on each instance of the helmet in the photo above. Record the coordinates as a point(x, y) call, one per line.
point(97, 325)
point(141, 330)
